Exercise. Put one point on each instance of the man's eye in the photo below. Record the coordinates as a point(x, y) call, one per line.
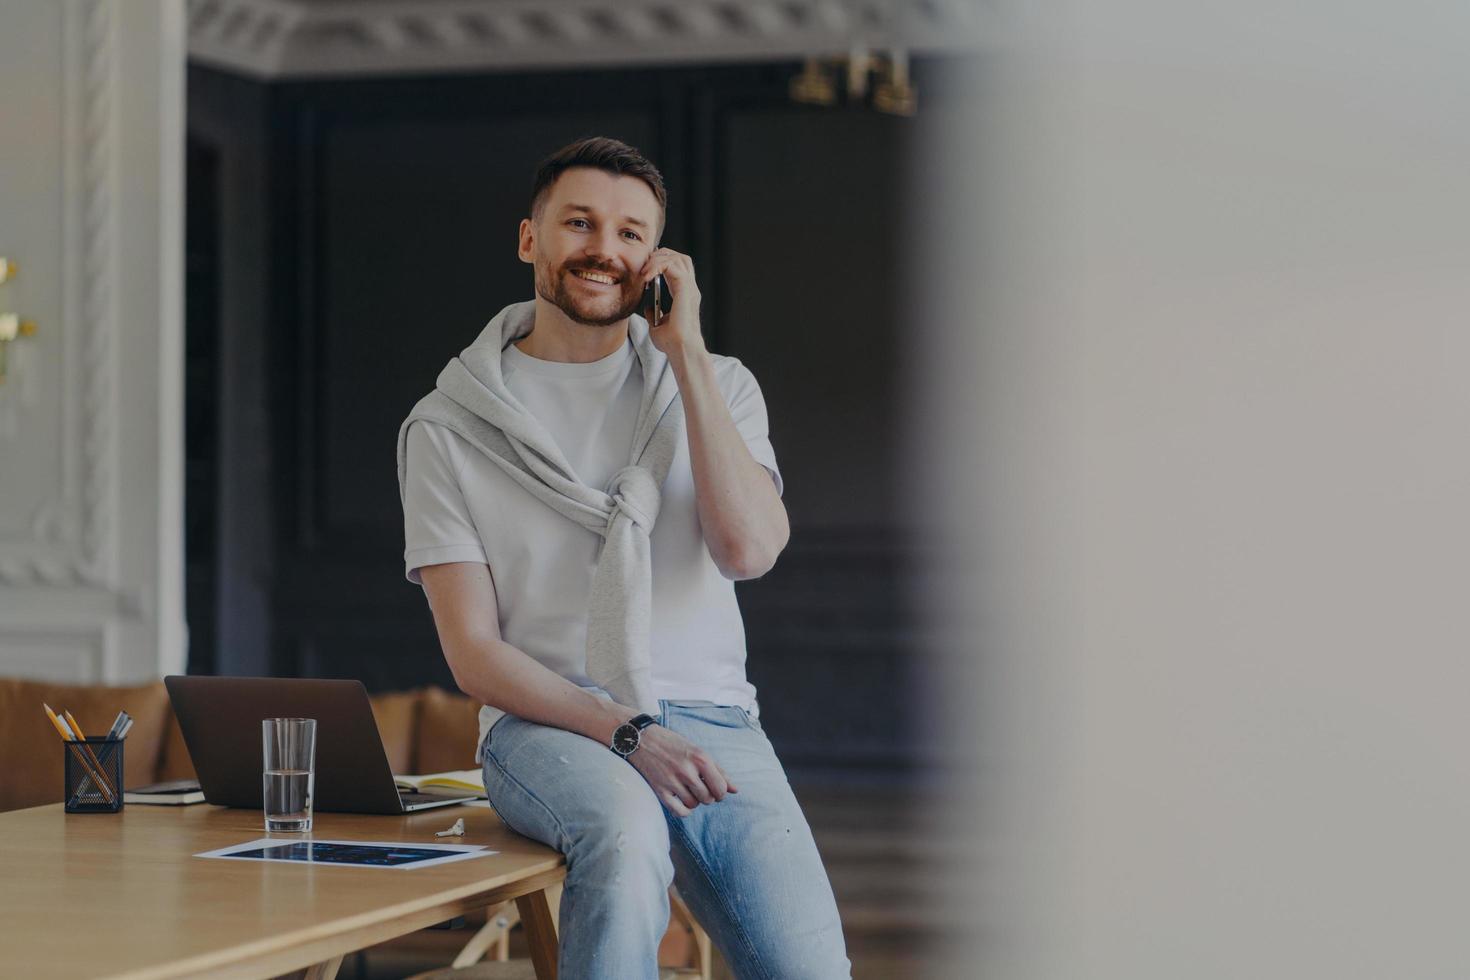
point(577, 221)
point(636, 236)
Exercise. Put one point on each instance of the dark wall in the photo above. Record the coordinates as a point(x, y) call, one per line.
point(347, 238)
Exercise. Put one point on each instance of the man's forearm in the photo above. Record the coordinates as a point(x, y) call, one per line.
point(504, 677)
point(741, 515)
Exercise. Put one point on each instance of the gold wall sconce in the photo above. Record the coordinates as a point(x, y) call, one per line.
point(816, 85)
point(11, 324)
point(893, 92)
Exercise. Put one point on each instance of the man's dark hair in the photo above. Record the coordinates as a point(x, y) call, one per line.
point(602, 153)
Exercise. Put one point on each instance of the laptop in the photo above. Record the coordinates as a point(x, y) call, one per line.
point(220, 718)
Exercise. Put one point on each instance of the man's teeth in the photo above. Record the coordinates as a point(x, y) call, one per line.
point(594, 276)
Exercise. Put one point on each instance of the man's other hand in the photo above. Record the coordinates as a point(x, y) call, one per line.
point(681, 773)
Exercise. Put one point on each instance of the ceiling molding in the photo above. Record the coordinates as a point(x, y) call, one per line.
point(301, 39)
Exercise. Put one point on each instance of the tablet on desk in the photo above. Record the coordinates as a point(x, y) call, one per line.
point(351, 853)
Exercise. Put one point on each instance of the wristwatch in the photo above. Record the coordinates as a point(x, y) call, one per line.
point(627, 735)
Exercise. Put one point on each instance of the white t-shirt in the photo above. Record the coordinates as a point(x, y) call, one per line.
point(460, 506)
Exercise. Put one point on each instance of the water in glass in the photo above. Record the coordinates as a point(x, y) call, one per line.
point(288, 800)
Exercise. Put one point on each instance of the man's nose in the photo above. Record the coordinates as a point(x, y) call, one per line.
point(603, 246)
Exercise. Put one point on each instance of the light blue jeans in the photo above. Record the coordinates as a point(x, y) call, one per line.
point(747, 865)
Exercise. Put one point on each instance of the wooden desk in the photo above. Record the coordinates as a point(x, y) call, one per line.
point(121, 895)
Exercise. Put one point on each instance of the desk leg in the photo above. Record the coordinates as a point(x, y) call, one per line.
point(540, 933)
point(325, 971)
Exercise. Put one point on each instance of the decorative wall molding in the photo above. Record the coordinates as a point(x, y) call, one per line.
point(91, 562)
point(99, 275)
point(278, 39)
point(72, 533)
point(75, 654)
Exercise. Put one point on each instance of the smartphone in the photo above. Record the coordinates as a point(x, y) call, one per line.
point(653, 301)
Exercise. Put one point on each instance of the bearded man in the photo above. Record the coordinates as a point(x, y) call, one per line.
point(581, 491)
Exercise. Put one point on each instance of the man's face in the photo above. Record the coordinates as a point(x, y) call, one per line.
point(595, 226)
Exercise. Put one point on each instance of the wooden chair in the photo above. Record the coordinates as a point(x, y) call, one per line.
point(494, 938)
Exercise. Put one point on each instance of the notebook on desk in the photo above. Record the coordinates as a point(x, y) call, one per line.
point(220, 718)
point(175, 792)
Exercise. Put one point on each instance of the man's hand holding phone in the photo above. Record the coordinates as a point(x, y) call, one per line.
point(677, 331)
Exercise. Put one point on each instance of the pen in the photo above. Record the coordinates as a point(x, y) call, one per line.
point(117, 724)
point(66, 731)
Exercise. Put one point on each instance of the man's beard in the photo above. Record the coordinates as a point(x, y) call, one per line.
point(585, 308)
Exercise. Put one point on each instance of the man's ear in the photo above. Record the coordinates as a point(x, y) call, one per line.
point(526, 244)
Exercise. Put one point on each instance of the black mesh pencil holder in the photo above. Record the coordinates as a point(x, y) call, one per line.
point(94, 775)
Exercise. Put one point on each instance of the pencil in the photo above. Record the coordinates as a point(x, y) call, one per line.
point(66, 736)
point(79, 749)
point(60, 728)
point(76, 726)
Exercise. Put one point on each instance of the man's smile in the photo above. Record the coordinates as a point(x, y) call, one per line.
point(593, 278)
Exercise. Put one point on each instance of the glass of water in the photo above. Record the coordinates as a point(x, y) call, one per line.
point(290, 773)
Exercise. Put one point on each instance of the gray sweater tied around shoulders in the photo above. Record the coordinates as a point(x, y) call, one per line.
point(471, 399)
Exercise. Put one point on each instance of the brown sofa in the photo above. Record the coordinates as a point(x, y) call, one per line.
point(424, 730)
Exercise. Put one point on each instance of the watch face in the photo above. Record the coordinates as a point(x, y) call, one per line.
point(625, 739)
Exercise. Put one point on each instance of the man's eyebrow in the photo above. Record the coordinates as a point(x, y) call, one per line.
point(583, 207)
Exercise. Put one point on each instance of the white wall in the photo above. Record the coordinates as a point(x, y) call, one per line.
point(1205, 431)
point(91, 419)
